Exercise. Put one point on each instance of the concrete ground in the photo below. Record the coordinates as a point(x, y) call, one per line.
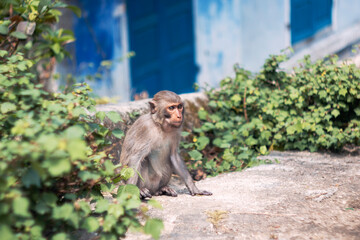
point(303, 196)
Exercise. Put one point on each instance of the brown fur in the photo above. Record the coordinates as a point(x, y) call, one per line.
point(151, 147)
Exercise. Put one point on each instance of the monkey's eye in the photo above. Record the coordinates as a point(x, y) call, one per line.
point(180, 106)
point(171, 108)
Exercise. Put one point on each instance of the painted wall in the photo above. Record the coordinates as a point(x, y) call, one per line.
point(347, 13)
point(264, 31)
point(101, 35)
point(236, 31)
point(218, 39)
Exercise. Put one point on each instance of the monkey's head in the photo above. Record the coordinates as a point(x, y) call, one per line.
point(167, 109)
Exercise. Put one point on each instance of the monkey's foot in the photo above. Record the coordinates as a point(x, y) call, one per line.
point(168, 191)
point(145, 193)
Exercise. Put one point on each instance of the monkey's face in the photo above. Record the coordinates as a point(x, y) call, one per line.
point(173, 114)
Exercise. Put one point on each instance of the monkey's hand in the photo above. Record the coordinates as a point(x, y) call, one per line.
point(199, 192)
point(145, 193)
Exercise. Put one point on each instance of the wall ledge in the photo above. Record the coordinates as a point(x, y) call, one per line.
point(331, 44)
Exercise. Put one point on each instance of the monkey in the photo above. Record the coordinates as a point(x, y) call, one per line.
point(151, 146)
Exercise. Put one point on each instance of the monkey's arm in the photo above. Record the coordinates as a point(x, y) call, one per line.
point(180, 169)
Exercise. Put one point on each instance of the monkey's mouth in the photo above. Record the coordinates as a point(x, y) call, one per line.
point(177, 123)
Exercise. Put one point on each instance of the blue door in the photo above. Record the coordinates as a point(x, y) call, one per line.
point(97, 33)
point(162, 37)
point(308, 17)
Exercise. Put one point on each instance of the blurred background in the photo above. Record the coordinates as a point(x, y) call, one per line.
point(152, 45)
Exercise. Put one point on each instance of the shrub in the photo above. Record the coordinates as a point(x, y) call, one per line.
point(54, 167)
point(315, 107)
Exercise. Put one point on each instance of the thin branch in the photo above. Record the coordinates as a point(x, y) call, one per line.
point(245, 112)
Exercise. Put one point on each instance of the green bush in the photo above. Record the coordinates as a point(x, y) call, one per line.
point(315, 107)
point(54, 167)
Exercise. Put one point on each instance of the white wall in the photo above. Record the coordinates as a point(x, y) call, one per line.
point(236, 31)
point(218, 39)
point(347, 12)
point(264, 31)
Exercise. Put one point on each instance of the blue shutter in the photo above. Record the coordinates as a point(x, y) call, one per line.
point(161, 35)
point(307, 17)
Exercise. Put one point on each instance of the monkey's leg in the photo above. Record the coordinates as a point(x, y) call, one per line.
point(168, 191)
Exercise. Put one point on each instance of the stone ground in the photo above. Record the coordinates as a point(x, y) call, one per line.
point(302, 196)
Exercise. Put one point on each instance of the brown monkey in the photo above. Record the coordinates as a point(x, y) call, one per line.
point(151, 148)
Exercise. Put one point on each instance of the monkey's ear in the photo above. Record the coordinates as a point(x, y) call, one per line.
point(152, 107)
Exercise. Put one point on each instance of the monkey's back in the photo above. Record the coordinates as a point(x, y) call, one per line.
point(137, 138)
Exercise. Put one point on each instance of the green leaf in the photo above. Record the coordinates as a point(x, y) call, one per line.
point(236, 98)
point(195, 155)
point(77, 149)
point(278, 136)
point(110, 221)
point(202, 114)
point(75, 10)
point(90, 224)
point(102, 206)
point(245, 133)
point(78, 111)
point(63, 212)
point(50, 199)
point(109, 167)
point(31, 178)
point(114, 116)
point(56, 48)
point(60, 236)
point(128, 189)
point(357, 111)
point(343, 91)
point(41, 208)
point(100, 115)
point(18, 35)
point(86, 175)
point(322, 94)
point(250, 141)
point(42, 4)
point(4, 68)
point(185, 134)
point(74, 132)
point(36, 232)
point(243, 156)
point(57, 167)
point(335, 112)
point(4, 30)
point(116, 210)
point(155, 204)
point(7, 107)
point(154, 227)
point(106, 63)
point(126, 173)
point(202, 142)
point(228, 156)
point(21, 206)
point(118, 133)
point(290, 130)
point(6, 233)
point(263, 150)
point(85, 207)
point(3, 53)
